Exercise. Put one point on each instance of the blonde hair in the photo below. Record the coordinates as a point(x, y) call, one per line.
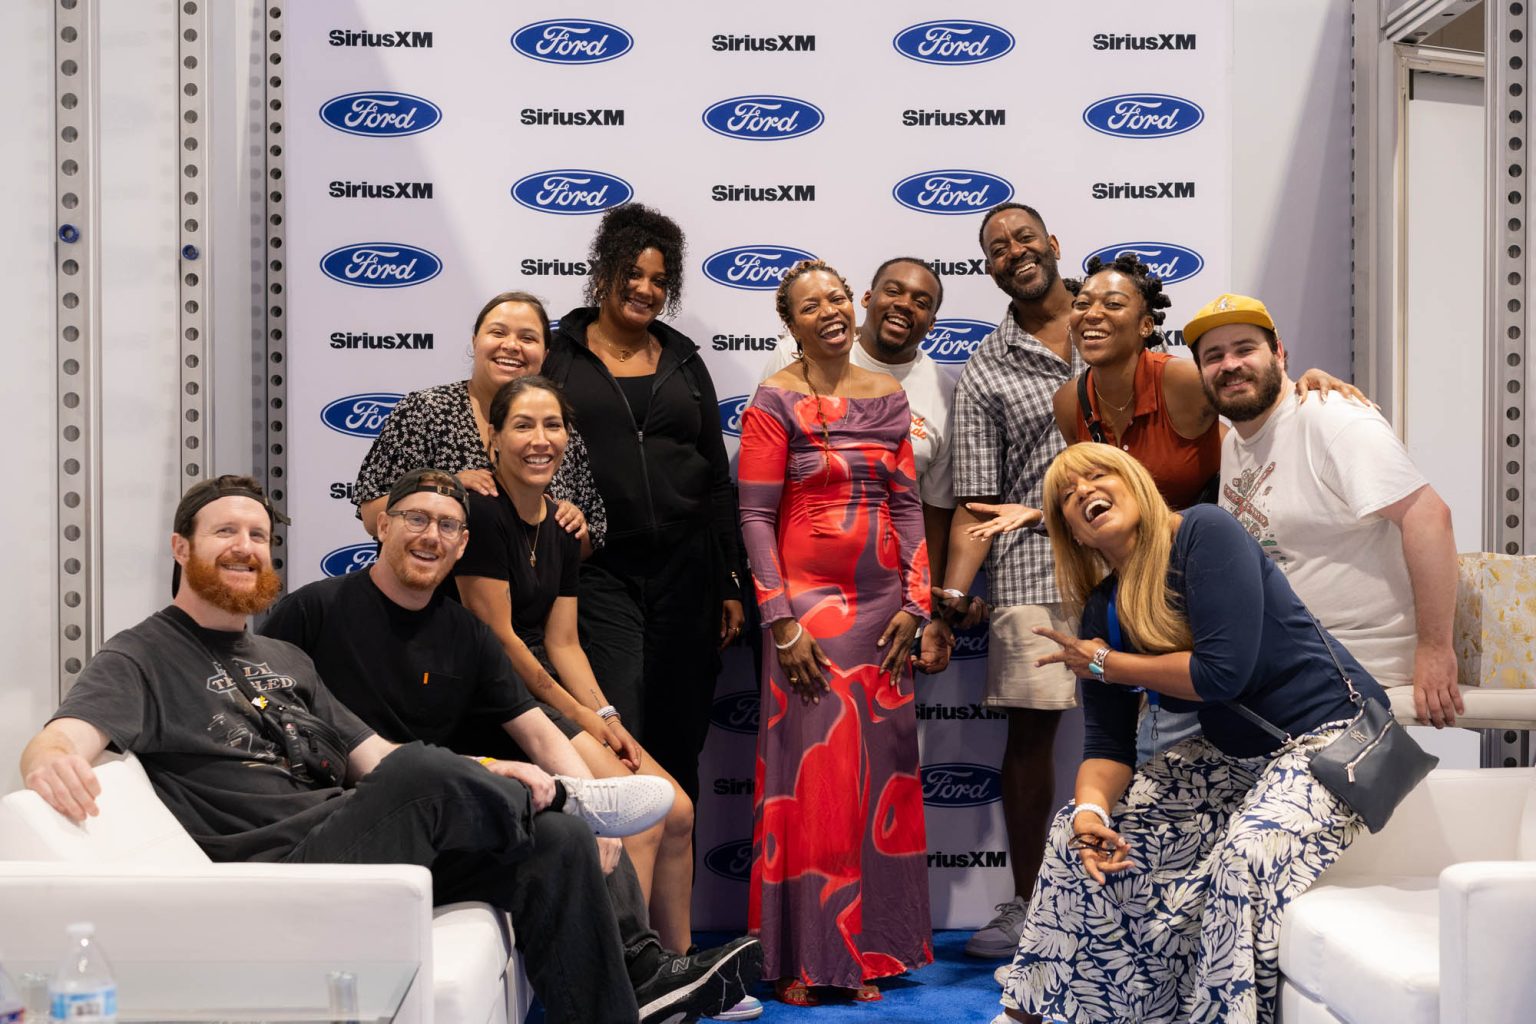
point(1148, 612)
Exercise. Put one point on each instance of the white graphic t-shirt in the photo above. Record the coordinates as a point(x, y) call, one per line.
point(930, 394)
point(1308, 487)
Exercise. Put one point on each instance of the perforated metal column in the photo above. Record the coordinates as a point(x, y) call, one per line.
point(78, 344)
point(196, 426)
point(277, 344)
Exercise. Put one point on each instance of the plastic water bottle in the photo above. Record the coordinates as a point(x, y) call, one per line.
point(12, 1009)
point(83, 992)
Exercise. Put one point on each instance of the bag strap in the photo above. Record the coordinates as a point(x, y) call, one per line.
point(1095, 428)
point(269, 729)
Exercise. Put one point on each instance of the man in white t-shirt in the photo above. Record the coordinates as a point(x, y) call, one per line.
point(901, 305)
point(1331, 494)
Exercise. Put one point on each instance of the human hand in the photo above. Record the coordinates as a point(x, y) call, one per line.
point(1101, 849)
point(68, 784)
point(732, 615)
point(541, 785)
point(481, 481)
point(624, 746)
point(1006, 518)
point(801, 661)
point(897, 642)
point(961, 612)
point(1436, 695)
point(935, 647)
point(1075, 654)
point(608, 851)
point(1323, 383)
point(571, 519)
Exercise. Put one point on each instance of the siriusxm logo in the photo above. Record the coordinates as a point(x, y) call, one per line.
point(732, 860)
point(1143, 115)
point(955, 341)
point(952, 192)
point(735, 712)
point(1169, 262)
point(380, 113)
point(572, 41)
point(957, 784)
point(953, 42)
point(763, 118)
point(380, 265)
point(753, 267)
point(570, 191)
point(352, 558)
point(730, 423)
point(360, 415)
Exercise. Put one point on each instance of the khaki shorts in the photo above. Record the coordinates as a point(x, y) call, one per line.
point(1013, 681)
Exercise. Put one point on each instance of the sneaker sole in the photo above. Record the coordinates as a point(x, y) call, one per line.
point(985, 951)
point(715, 992)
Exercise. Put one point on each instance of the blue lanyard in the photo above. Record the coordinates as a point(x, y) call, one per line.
point(1114, 637)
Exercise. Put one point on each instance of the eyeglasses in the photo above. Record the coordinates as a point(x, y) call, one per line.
point(417, 522)
point(1088, 841)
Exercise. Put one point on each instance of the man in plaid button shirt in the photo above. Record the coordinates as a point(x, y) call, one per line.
point(1004, 438)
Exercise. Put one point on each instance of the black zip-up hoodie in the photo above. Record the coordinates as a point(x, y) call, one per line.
point(666, 477)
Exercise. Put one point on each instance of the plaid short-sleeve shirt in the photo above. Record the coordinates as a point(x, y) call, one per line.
point(1004, 438)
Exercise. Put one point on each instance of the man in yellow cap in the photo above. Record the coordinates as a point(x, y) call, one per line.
point(1334, 498)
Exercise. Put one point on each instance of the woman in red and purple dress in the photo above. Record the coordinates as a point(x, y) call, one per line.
point(834, 527)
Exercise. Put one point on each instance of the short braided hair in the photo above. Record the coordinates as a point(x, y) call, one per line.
point(1153, 297)
point(781, 296)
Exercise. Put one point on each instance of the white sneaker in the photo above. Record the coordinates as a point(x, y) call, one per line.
point(617, 807)
point(750, 1008)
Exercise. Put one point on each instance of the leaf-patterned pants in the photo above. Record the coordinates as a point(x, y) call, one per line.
point(1191, 933)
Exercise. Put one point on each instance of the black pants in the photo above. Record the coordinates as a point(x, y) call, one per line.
point(478, 834)
point(650, 626)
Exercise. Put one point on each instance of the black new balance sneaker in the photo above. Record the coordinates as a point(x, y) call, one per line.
point(710, 981)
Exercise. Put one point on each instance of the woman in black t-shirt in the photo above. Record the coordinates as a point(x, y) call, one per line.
point(518, 574)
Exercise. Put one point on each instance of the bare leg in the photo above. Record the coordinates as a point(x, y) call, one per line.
point(1029, 787)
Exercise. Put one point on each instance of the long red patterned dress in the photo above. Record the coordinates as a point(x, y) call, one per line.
point(839, 868)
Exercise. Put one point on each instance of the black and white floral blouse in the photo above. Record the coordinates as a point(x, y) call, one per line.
point(436, 427)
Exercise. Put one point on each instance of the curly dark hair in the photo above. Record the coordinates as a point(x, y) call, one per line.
point(1153, 298)
point(625, 232)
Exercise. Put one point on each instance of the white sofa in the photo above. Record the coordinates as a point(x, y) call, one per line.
point(1431, 920)
point(154, 896)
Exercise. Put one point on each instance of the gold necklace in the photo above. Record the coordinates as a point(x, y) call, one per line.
point(533, 557)
point(1119, 409)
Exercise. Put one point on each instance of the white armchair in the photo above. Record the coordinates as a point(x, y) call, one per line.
point(1430, 920)
point(155, 896)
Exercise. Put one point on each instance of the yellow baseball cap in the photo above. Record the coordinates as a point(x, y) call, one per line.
point(1227, 309)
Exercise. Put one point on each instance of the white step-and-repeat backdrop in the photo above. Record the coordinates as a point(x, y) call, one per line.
point(441, 153)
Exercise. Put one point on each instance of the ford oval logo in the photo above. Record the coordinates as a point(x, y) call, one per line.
point(970, 643)
point(953, 42)
point(730, 424)
point(1143, 115)
point(732, 860)
point(952, 191)
point(380, 265)
point(360, 415)
point(380, 113)
point(958, 784)
point(1171, 263)
point(753, 267)
point(572, 41)
point(736, 712)
point(955, 341)
point(352, 558)
point(571, 191)
point(763, 118)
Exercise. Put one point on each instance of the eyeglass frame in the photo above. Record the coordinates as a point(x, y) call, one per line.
point(445, 532)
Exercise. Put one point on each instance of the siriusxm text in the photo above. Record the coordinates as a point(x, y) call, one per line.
point(1165, 41)
point(976, 116)
point(755, 44)
point(416, 340)
point(1149, 190)
point(599, 117)
point(763, 193)
point(381, 190)
point(400, 39)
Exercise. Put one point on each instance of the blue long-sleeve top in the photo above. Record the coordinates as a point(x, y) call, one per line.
point(1255, 643)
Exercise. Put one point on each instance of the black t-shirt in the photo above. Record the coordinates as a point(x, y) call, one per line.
point(160, 690)
point(412, 675)
point(499, 544)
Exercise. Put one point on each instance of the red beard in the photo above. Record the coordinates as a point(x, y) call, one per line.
point(202, 575)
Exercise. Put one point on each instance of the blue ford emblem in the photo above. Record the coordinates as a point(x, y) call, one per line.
point(735, 712)
point(571, 191)
point(730, 424)
point(952, 191)
point(380, 113)
point(753, 267)
point(732, 860)
point(955, 341)
point(360, 415)
point(763, 118)
point(352, 558)
point(1171, 263)
point(572, 41)
point(953, 42)
point(1143, 115)
point(958, 784)
point(380, 265)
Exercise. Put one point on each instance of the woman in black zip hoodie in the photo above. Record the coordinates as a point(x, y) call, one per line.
point(662, 597)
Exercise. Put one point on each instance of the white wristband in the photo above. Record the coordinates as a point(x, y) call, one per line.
point(607, 711)
point(799, 632)
point(1103, 815)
